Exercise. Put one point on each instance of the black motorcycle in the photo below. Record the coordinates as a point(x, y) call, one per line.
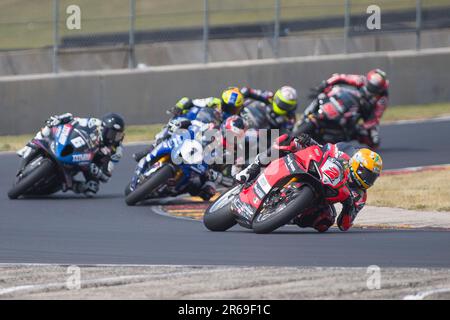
point(332, 117)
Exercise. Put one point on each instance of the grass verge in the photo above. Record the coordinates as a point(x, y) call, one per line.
point(133, 134)
point(424, 191)
point(416, 112)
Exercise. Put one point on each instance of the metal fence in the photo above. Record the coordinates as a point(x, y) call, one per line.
point(125, 24)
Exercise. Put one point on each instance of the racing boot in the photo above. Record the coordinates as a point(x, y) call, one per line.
point(207, 191)
point(249, 173)
point(141, 154)
point(89, 188)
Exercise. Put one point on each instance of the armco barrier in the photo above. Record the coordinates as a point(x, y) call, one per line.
point(142, 96)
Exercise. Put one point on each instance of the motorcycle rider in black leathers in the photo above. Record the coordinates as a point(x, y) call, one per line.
point(279, 107)
point(365, 166)
point(107, 133)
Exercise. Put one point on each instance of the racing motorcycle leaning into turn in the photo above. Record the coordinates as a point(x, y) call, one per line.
point(177, 164)
point(289, 189)
point(333, 117)
point(55, 161)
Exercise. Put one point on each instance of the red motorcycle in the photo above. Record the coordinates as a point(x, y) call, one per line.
point(288, 188)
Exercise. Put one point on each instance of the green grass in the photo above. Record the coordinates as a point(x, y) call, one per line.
point(132, 134)
point(416, 112)
point(147, 132)
point(28, 24)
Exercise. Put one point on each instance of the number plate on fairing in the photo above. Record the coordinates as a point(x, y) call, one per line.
point(331, 172)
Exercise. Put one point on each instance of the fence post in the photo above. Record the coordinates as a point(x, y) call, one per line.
point(131, 42)
point(55, 62)
point(276, 31)
point(418, 23)
point(347, 25)
point(205, 30)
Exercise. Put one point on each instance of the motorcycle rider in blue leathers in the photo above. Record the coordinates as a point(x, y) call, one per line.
point(107, 133)
point(184, 112)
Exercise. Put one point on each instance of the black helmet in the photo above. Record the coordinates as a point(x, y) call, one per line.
point(113, 128)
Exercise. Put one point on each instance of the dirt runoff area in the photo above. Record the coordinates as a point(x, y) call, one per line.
point(220, 282)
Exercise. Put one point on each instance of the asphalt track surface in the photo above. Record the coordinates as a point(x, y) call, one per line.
point(69, 229)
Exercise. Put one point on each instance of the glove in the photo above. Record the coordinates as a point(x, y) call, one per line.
point(182, 105)
point(117, 155)
point(375, 136)
point(304, 139)
point(176, 124)
point(314, 92)
point(245, 92)
point(56, 120)
point(175, 111)
point(248, 173)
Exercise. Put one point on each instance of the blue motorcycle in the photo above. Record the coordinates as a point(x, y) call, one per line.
point(54, 161)
point(175, 163)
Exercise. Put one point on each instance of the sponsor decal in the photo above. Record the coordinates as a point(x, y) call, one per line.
point(258, 191)
point(78, 142)
point(64, 134)
point(331, 172)
point(82, 157)
point(263, 183)
point(291, 164)
point(233, 98)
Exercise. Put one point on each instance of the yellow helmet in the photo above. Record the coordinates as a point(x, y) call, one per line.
point(232, 100)
point(365, 167)
point(284, 100)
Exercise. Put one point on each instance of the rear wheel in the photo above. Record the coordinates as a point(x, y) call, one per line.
point(218, 216)
point(278, 214)
point(154, 181)
point(32, 180)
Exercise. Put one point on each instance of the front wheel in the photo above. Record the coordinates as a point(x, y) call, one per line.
point(143, 190)
point(277, 215)
point(31, 181)
point(218, 216)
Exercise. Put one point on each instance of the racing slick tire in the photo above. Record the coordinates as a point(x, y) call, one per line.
point(271, 219)
point(42, 172)
point(218, 216)
point(154, 181)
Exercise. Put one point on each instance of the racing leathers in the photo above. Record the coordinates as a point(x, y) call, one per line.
point(372, 106)
point(182, 115)
point(102, 165)
point(323, 217)
point(284, 123)
point(185, 111)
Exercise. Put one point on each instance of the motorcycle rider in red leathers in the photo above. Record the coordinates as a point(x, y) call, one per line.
point(364, 166)
point(374, 88)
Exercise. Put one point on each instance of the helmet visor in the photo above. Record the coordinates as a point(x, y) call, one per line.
point(230, 108)
point(113, 136)
point(367, 176)
point(284, 106)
